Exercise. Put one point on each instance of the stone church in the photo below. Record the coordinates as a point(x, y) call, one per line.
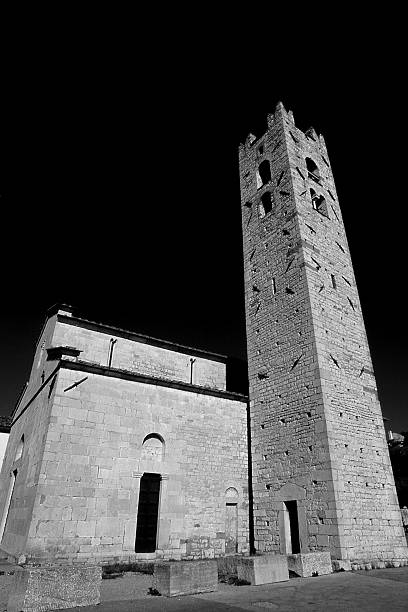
point(125, 447)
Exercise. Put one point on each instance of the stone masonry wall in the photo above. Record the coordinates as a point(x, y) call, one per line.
point(140, 357)
point(316, 425)
point(33, 426)
point(87, 500)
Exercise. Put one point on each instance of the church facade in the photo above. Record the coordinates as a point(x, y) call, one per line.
point(125, 447)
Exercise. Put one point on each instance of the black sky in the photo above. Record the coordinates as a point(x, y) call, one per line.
point(121, 189)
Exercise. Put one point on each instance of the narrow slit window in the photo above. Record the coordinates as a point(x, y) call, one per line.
point(273, 286)
point(333, 281)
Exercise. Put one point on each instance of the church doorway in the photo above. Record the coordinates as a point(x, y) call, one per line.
point(7, 505)
point(291, 527)
point(231, 528)
point(148, 513)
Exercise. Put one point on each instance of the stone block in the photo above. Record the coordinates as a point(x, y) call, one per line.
point(341, 565)
point(173, 578)
point(310, 564)
point(38, 589)
point(227, 566)
point(263, 569)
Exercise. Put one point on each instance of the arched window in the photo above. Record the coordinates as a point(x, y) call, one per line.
point(312, 170)
point(319, 203)
point(231, 493)
point(20, 448)
point(263, 175)
point(153, 447)
point(265, 205)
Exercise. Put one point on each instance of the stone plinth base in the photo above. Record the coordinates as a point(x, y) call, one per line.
point(227, 566)
point(263, 569)
point(185, 577)
point(38, 589)
point(341, 565)
point(310, 564)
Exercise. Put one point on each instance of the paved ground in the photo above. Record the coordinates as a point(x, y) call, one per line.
point(375, 590)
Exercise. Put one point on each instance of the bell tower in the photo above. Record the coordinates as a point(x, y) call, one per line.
point(322, 478)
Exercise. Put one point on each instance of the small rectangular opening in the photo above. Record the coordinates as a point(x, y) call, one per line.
point(333, 281)
point(273, 286)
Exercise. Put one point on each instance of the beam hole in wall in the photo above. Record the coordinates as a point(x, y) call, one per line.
point(308, 414)
point(273, 286)
point(280, 178)
point(314, 482)
point(300, 172)
point(310, 447)
point(282, 421)
point(295, 140)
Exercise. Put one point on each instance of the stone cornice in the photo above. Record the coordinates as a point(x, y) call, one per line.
point(92, 368)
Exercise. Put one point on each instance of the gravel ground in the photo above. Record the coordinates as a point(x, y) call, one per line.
point(132, 585)
point(5, 585)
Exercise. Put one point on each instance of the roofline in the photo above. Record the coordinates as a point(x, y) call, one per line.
point(130, 335)
point(93, 368)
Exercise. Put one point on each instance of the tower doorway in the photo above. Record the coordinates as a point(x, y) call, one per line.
point(148, 513)
point(291, 524)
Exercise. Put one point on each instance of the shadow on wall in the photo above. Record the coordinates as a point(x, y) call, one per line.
point(237, 375)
